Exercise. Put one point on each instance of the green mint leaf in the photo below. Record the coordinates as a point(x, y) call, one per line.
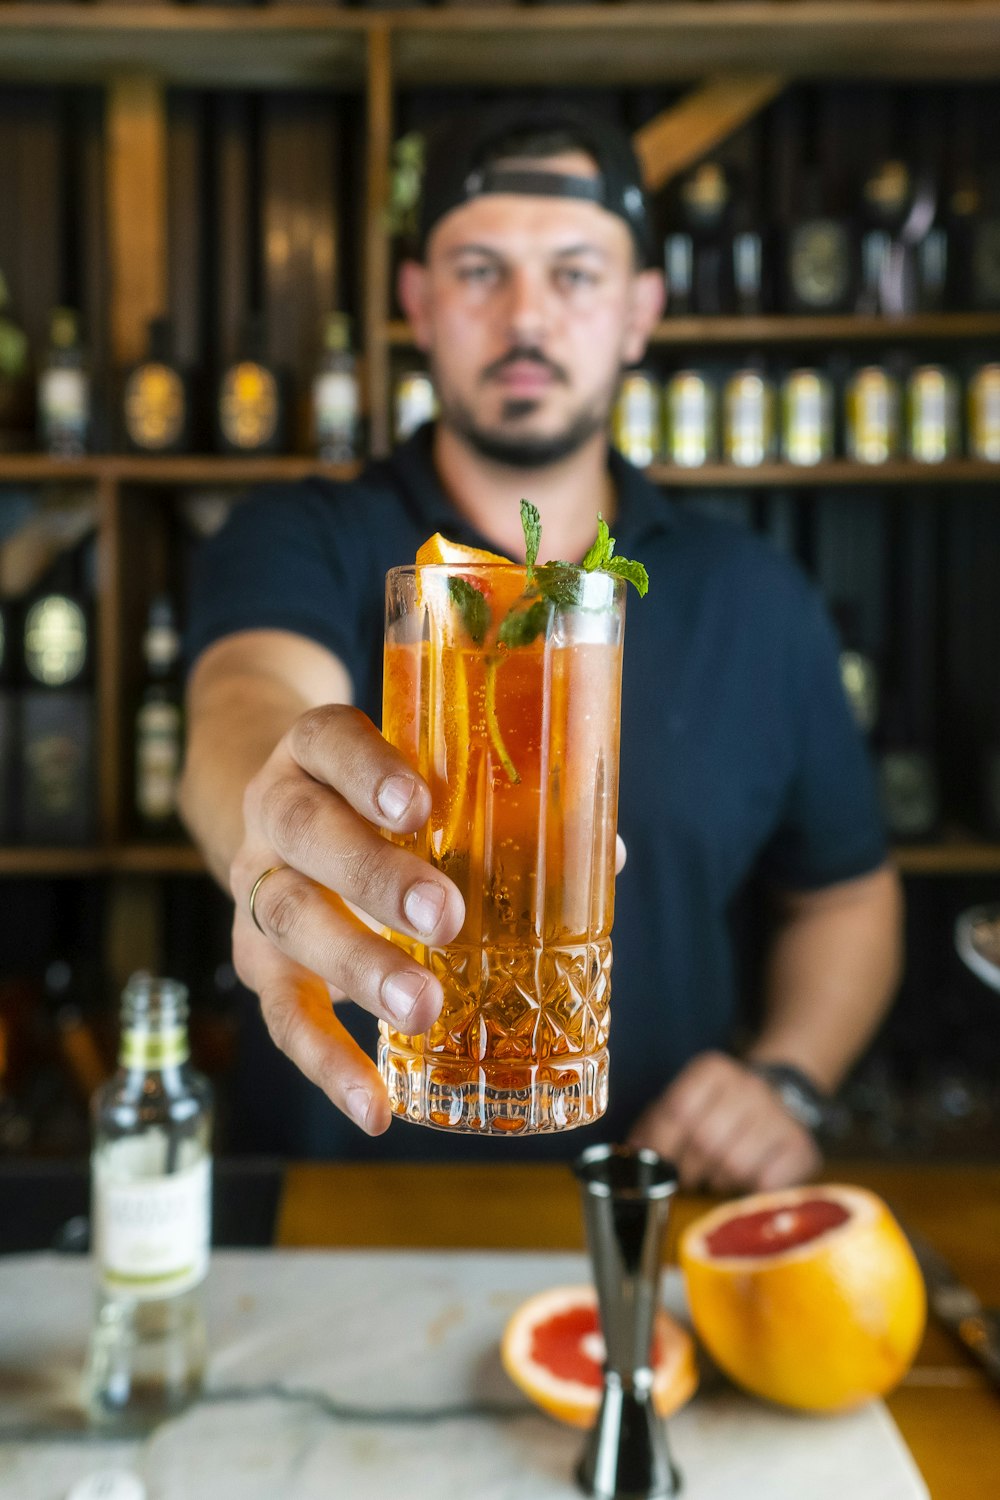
point(531, 522)
point(560, 582)
point(634, 572)
point(601, 550)
point(472, 606)
point(525, 622)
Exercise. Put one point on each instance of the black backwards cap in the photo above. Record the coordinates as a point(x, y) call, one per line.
point(457, 169)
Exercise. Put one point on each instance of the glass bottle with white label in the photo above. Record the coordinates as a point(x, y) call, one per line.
point(151, 1173)
point(64, 390)
point(336, 396)
point(159, 729)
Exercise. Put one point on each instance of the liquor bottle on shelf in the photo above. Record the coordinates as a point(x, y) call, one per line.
point(64, 399)
point(989, 780)
point(414, 402)
point(821, 255)
point(907, 763)
point(151, 1173)
point(872, 414)
point(16, 405)
point(56, 753)
point(907, 778)
point(159, 725)
point(704, 204)
point(983, 413)
point(933, 414)
point(984, 247)
point(888, 256)
point(251, 409)
point(807, 417)
point(749, 426)
point(678, 268)
point(858, 671)
point(691, 424)
point(336, 399)
point(962, 198)
point(8, 724)
point(157, 406)
point(748, 251)
point(637, 419)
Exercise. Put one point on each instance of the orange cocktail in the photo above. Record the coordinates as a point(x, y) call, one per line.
point(515, 727)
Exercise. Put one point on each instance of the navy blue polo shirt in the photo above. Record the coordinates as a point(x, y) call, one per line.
point(739, 756)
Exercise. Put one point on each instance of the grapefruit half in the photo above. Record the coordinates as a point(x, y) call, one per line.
point(553, 1350)
point(811, 1296)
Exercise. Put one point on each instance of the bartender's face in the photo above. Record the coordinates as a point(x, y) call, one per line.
point(527, 308)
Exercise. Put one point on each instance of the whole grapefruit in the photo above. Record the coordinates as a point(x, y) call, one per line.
point(554, 1351)
point(811, 1296)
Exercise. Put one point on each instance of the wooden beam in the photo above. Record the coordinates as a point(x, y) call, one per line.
point(137, 210)
point(684, 133)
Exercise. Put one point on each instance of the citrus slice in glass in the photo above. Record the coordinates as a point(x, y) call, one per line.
point(450, 725)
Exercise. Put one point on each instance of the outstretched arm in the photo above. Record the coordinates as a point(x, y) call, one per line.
point(283, 775)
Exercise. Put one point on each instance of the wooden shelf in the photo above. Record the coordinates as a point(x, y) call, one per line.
point(654, 44)
point(52, 861)
point(146, 859)
point(965, 471)
point(180, 44)
point(744, 332)
point(953, 855)
point(927, 328)
point(292, 46)
point(39, 468)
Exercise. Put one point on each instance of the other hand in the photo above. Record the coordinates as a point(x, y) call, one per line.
point(725, 1129)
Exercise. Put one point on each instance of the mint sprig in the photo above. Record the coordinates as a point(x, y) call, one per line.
point(531, 524)
point(472, 607)
point(601, 559)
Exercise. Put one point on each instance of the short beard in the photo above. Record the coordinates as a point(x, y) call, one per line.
point(516, 451)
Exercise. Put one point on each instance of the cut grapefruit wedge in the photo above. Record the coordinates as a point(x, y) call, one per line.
point(811, 1296)
point(553, 1349)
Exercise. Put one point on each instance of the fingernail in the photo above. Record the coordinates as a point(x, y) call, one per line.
point(395, 795)
point(423, 905)
point(400, 993)
point(358, 1103)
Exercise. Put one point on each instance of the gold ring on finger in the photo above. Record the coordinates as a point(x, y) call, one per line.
point(256, 887)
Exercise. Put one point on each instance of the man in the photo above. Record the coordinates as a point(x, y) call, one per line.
point(532, 291)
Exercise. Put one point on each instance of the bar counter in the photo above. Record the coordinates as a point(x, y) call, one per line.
point(946, 1409)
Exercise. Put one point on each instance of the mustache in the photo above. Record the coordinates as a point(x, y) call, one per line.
point(525, 355)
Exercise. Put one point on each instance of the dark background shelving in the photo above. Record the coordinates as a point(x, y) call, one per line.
point(205, 161)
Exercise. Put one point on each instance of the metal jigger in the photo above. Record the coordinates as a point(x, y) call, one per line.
point(626, 1200)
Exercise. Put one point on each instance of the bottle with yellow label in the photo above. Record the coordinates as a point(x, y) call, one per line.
point(692, 437)
point(933, 403)
point(872, 415)
point(807, 421)
point(251, 410)
point(156, 401)
point(983, 413)
point(637, 420)
point(748, 416)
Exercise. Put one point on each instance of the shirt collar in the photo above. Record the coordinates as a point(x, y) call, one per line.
point(643, 509)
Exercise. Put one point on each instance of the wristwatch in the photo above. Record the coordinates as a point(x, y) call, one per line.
point(796, 1092)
